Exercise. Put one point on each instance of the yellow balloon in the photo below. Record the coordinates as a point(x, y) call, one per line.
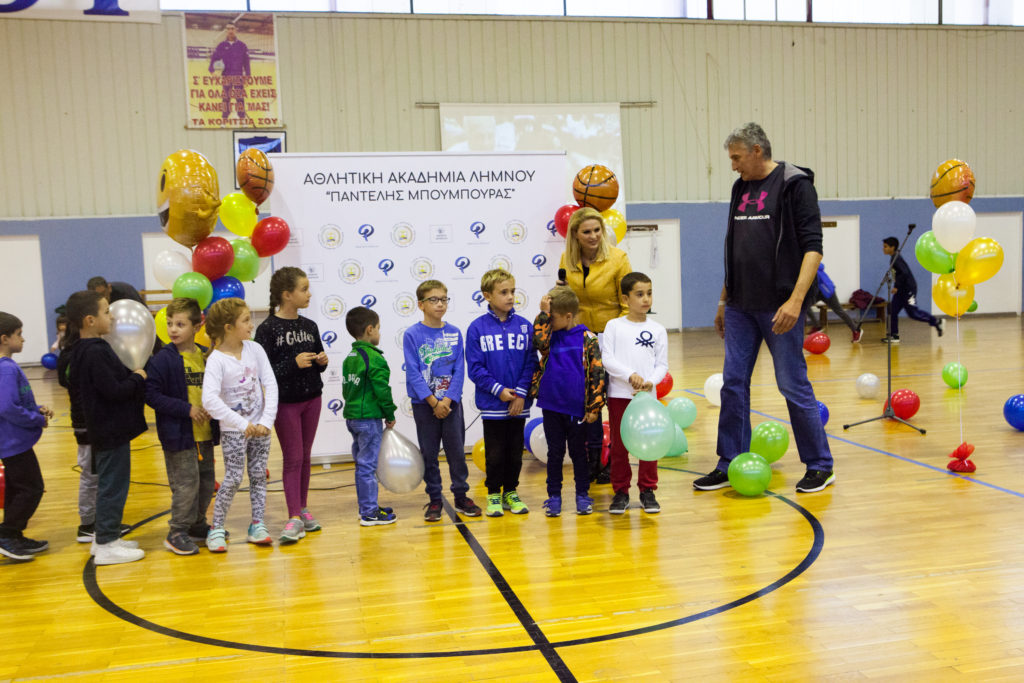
point(980, 259)
point(616, 222)
point(187, 197)
point(203, 338)
point(238, 213)
point(160, 320)
point(951, 299)
point(479, 458)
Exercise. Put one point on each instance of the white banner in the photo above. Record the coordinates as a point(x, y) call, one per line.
point(368, 228)
point(83, 10)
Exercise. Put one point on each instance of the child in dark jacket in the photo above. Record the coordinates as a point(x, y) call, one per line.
point(570, 389)
point(174, 389)
point(112, 396)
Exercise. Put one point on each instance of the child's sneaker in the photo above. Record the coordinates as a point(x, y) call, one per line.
point(179, 543)
point(649, 503)
point(584, 505)
point(512, 503)
point(216, 540)
point(619, 504)
point(553, 506)
point(857, 334)
point(30, 545)
point(116, 553)
point(433, 513)
point(715, 479)
point(258, 534)
point(467, 507)
point(494, 508)
point(293, 531)
point(309, 522)
point(11, 547)
point(381, 516)
point(124, 543)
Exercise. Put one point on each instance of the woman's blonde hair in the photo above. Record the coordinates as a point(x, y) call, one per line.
point(221, 314)
point(573, 256)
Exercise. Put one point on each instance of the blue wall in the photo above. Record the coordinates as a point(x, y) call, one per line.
point(703, 233)
point(75, 249)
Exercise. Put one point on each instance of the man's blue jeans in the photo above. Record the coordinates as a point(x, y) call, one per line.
point(744, 332)
point(366, 436)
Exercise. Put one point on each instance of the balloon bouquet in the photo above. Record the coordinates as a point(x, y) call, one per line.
point(188, 204)
point(597, 187)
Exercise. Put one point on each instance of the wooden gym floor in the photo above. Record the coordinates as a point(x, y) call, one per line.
point(901, 571)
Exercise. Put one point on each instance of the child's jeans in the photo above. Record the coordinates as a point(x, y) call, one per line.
point(192, 481)
point(366, 436)
point(431, 433)
point(561, 430)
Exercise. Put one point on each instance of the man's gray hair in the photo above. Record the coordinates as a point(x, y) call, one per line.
point(750, 134)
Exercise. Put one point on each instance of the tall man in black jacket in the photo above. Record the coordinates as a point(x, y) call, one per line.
point(772, 252)
point(904, 293)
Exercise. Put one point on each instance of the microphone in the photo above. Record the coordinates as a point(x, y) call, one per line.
point(561, 275)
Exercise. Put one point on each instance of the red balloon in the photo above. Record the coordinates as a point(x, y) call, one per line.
point(213, 257)
point(606, 445)
point(270, 236)
point(665, 385)
point(562, 217)
point(905, 403)
point(817, 342)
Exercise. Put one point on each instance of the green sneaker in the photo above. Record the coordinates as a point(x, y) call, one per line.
point(512, 503)
point(494, 505)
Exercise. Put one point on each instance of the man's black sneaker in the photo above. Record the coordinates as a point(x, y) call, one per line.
point(815, 480)
point(716, 479)
point(938, 327)
point(891, 340)
point(179, 543)
point(619, 504)
point(433, 513)
point(649, 503)
point(11, 547)
point(30, 545)
point(467, 507)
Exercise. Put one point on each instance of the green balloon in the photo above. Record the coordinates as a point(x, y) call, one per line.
point(932, 256)
point(749, 474)
point(193, 286)
point(769, 440)
point(647, 429)
point(679, 444)
point(683, 411)
point(954, 375)
point(247, 262)
point(973, 307)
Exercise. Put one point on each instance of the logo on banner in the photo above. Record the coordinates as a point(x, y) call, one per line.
point(365, 230)
point(407, 406)
point(314, 271)
point(515, 232)
point(351, 271)
point(520, 300)
point(539, 260)
point(440, 234)
point(386, 265)
point(477, 228)
point(400, 337)
point(462, 263)
point(500, 261)
point(478, 298)
point(335, 406)
point(422, 268)
point(402, 234)
point(333, 374)
point(333, 307)
point(331, 237)
point(405, 304)
point(552, 229)
point(369, 301)
point(329, 337)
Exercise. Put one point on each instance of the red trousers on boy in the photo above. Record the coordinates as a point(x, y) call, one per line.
point(647, 478)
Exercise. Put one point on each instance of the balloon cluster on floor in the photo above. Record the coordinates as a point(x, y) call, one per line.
point(189, 206)
point(597, 187)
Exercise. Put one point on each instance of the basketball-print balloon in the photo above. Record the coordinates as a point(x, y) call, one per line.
point(255, 175)
point(953, 180)
point(595, 186)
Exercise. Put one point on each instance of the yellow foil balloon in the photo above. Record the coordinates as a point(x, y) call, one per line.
point(160, 320)
point(238, 213)
point(187, 197)
point(980, 259)
point(203, 338)
point(950, 299)
point(616, 222)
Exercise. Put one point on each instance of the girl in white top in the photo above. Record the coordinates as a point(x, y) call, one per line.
point(239, 390)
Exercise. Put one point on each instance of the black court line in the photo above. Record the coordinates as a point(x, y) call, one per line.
point(540, 643)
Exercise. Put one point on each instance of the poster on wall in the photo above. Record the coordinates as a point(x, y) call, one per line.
point(231, 76)
point(369, 228)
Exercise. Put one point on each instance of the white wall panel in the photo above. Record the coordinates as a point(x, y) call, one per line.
point(94, 108)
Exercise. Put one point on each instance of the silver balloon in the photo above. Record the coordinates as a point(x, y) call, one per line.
point(868, 385)
point(132, 333)
point(400, 465)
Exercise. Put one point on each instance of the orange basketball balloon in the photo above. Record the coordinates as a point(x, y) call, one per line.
point(255, 175)
point(953, 179)
point(595, 186)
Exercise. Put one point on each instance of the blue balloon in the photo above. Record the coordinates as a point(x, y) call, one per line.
point(1013, 411)
point(823, 411)
point(49, 361)
point(227, 287)
point(528, 431)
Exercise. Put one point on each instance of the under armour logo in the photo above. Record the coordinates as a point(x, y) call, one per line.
point(747, 200)
point(646, 339)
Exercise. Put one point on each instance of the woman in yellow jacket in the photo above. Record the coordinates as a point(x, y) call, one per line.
point(593, 269)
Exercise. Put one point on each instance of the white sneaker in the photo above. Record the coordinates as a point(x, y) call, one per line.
point(121, 542)
point(115, 553)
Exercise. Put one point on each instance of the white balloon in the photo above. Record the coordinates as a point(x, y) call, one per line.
point(539, 444)
point(868, 385)
point(264, 264)
point(400, 464)
point(953, 224)
point(169, 266)
point(713, 389)
point(132, 333)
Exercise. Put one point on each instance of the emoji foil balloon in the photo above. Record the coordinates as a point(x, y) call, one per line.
point(187, 197)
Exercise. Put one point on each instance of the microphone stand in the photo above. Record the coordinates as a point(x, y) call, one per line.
point(887, 412)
